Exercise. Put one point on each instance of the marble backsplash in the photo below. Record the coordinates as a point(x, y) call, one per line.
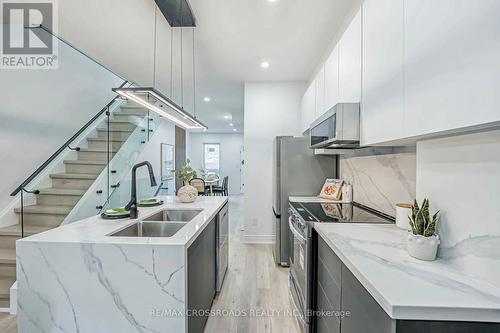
point(381, 177)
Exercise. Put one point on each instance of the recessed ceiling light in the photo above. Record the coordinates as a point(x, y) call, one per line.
point(231, 124)
point(272, 0)
point(234, 129)
point(227, 117)
point(206, 99)
point(264, 64)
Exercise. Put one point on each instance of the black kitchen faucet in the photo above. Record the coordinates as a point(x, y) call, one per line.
point(132, 205)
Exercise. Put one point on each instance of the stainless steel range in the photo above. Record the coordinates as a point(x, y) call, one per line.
point(302, 216)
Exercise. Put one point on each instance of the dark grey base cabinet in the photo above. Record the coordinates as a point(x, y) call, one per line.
point(201, 277)
point(338, 289)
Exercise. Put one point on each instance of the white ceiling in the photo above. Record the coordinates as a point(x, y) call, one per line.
point(233, 37)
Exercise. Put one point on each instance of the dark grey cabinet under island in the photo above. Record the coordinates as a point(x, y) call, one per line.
point(207, 259)
point(201, 272)
point(343, 305)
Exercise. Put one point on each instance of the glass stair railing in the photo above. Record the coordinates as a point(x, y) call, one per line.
point(77, 180)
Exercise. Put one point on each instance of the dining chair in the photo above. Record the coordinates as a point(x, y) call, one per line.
point(199, 184)
point(222, 190)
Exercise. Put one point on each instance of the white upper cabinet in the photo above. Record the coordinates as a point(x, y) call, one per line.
point(308, 106)
point(382, 102)
point(349, 70)
point(332, 79)
point(452, 71)
point(320, 92)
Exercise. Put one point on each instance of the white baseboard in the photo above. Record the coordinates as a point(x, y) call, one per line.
point(258, 239)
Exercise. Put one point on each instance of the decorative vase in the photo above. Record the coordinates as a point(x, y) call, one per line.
point(187, 194)
point(423, 248)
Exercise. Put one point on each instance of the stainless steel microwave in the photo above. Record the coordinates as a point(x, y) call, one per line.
point(336, 128)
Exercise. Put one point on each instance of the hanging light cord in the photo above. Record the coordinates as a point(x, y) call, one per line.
point(154, 50)
point(182, 72)
point(171, 62)
point(194, 80)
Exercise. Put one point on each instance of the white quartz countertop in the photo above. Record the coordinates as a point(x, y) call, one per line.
point(407, 288)
point(96, 230)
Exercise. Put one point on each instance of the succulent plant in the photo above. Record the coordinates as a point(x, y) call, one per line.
point(421, 221)
point(186, 173)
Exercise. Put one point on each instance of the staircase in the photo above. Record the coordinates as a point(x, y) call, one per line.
point(53, 204)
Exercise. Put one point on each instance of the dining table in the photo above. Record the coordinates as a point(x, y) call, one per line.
point(211, 182)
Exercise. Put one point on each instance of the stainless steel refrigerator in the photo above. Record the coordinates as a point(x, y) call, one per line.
point(296, 172)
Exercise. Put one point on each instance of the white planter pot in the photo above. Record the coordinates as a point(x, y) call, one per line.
point(187, 194)
point(423, 248)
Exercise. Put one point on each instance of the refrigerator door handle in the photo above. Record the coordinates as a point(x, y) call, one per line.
point(276, 214)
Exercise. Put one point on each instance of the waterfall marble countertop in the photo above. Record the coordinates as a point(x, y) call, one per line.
point(407, 288)
point(75, 278)
point(96, 230)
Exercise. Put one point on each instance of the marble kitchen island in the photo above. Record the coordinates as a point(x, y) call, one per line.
point(77, 278)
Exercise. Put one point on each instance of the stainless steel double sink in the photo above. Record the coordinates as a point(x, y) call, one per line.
point(165, 223)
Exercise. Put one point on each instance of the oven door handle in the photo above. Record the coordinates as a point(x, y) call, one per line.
point(295, 232)
point(296, 309)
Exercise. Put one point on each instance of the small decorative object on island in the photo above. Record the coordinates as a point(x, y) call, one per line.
point(332, 189)
point(403, 211)
point(422, 242)
point(186, 193)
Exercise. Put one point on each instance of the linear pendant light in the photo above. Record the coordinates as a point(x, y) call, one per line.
point(134, 93)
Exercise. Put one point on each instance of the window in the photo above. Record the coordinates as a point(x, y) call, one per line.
point(211, 158)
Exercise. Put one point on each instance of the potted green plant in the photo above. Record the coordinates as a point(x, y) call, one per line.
point(422, 241)
point(186, 193)
point(203, 173)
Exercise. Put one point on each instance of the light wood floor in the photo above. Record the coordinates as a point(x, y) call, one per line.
point(254, 286)
point(7, 323)
point(253, 282)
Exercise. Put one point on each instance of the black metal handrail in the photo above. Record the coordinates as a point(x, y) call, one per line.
point(65, 145)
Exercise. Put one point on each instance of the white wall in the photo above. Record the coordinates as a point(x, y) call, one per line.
point(271, 109)
point(117, 33)
point(460, 175)
point(230, 145)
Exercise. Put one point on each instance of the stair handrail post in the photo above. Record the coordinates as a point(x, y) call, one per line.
point(22, 212)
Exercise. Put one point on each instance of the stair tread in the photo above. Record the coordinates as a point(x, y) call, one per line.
point(105, 139)
point(132, 107)
point(101, 129)
point(62, 191)
point(84, 162)
point(15, 230)
point(73, 175)
point(94, 150)
point(120, 121)
point(45, 209)
point(130, 113)
point(7, 256)
point(5, 284)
